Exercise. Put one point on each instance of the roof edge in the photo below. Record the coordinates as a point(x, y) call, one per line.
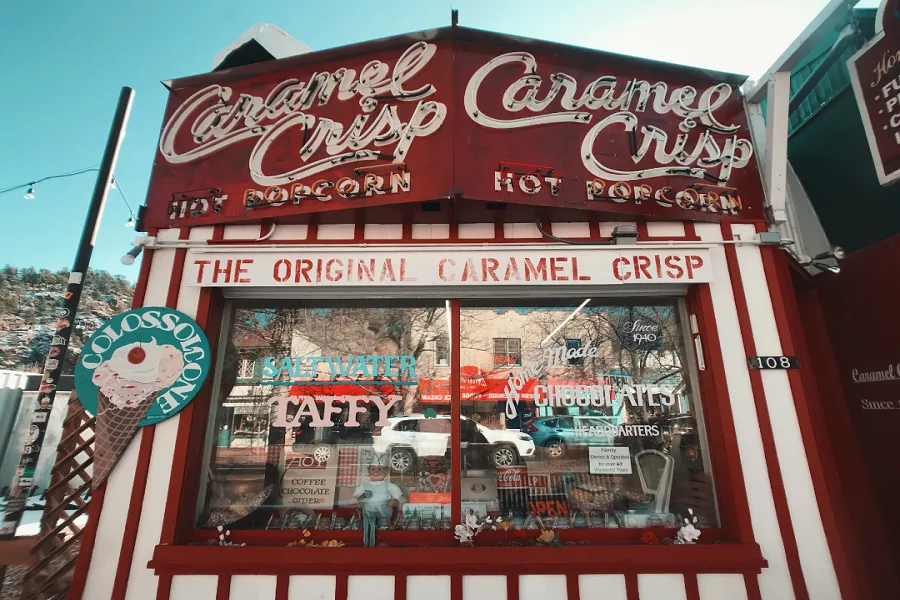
point(274, 40)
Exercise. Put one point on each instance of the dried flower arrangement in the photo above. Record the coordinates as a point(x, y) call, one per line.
point(305, 543)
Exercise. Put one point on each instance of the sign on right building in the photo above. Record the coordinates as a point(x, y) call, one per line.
point(875, 75)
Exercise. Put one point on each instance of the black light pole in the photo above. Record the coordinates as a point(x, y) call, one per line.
point(24, 475)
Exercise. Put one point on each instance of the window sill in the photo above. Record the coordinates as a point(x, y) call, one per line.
point(256, 560)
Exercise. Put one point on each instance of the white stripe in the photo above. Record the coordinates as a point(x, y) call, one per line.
point(716, 586)
point(775, 581)
point(815, 557)
point(370, 587)
point(662, 587)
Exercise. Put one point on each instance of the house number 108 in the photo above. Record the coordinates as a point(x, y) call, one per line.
point(773, 362)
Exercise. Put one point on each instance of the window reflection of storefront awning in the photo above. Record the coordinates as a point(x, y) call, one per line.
point(247, 408)
point(476, 389)
point(340, 388)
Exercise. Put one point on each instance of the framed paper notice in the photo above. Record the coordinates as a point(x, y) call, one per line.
point(609, 460)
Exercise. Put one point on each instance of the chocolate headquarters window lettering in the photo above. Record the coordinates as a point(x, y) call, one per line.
point(704, 148)
point(610, 440)
point(214, 118)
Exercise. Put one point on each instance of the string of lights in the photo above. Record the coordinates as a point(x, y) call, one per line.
point(31, 185)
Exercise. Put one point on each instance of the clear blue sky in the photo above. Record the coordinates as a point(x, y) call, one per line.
point(62, 65)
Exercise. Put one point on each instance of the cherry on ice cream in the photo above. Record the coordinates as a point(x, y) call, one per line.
point(136, 356)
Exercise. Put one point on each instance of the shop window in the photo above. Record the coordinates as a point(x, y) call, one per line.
point(507, 352)
point(442, 352)
point(346, 423)
point(342, 427)
point(613, 439)
point(247, 369)
point(573, 356)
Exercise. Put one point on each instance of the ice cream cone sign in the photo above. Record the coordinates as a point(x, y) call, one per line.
point(141, 367)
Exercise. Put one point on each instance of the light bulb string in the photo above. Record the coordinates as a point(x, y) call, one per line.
point(31, 184)
point(59, 176)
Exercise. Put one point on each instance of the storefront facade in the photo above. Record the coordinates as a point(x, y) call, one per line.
point(453, 274)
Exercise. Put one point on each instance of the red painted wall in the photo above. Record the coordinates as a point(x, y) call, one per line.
point(852, 322)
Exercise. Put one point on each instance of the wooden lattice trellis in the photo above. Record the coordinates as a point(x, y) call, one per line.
point(67, 499)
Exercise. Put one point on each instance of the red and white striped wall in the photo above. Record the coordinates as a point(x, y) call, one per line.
point(775, 476)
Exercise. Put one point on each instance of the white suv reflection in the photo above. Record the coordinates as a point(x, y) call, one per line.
point(415, 435)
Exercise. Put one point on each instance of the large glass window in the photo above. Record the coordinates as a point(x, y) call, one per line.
point(329, 416)
point(596, 425)
point(572, 414)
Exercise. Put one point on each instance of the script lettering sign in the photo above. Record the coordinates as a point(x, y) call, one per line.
point(468, 114)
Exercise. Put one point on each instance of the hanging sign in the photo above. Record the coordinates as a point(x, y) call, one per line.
point(875, 76)
point(310, 477)
point(141, 367)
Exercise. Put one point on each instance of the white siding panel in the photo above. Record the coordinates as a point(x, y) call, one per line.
point(241, 232)
point(185, 587)
point(722, 586)
point(662, 587)
point(423, 231)
point(665, 229)
point(336, 231)
point(775, 581)
point(607, 587)
point(542, 587)
point(143, 581)
point(370, 587)
point(484, 587)
point(108, 543)
point(253, 587)
point(201, 233)
point(606, 229)
point(571, 230)
point(311, 587)
point(521, 230)
point(375, 231)
point(473, 231)
point(815, 557)
point(290, 232)
point(428, 587)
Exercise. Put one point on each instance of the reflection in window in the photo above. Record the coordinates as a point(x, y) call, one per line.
point(507, 352)
point(442, 352)
point(329, 417)
point(246, 368)
point(595, 424)
point(573, 356)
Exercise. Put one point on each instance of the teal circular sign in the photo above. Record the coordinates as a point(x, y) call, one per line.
point(149, 359)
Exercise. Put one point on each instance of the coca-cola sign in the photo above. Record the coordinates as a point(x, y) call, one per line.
point(511, 477)
point(461, 113)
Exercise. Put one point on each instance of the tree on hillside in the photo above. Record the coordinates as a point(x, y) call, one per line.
point(29, 298)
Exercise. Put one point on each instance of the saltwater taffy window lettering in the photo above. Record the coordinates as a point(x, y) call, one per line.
point(323, 421)
point(597, 426)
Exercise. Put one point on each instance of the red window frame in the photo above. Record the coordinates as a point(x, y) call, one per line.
point(730, 493)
